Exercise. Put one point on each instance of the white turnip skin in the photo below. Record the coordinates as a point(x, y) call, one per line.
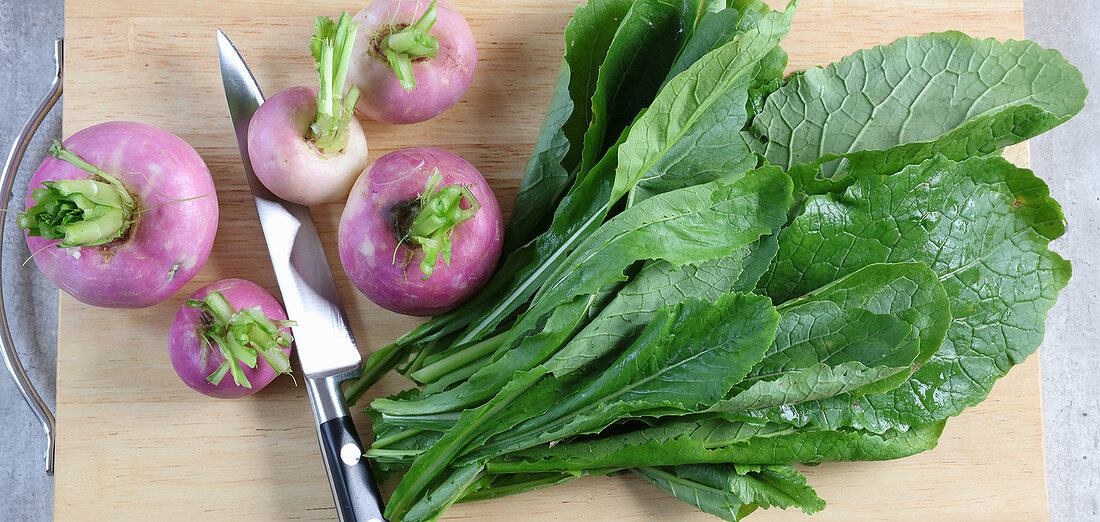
point(185, 341)
point(440, 81)
point(388, 272)
point(171, 237)
point(286, 160)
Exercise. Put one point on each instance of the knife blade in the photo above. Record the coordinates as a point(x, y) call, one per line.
point(323, 341)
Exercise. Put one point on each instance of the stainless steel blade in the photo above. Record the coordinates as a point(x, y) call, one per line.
point(323, 340)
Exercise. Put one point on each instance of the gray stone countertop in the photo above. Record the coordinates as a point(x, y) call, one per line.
point(1067, 157)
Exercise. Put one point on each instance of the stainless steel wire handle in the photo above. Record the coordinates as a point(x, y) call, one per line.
point(7, 178)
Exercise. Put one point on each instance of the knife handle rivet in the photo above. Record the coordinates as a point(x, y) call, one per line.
point(350, 454)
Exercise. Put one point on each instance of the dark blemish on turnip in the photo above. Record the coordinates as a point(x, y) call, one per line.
point(402, 216)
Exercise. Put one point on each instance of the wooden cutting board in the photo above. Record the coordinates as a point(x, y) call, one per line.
point(135, 443)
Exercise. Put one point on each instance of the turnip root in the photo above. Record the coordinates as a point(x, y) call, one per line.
point(421, 231)
point(413, 59)
point(122, 215)
point(305, 144)
point(230, 339)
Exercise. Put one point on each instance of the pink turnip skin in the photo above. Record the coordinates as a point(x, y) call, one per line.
point(287, 162)
point(440, 81)
point(368, 243)
point(185, 341)
point(165, 247)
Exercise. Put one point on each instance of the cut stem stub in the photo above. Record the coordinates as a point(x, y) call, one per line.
point(402, 46)
point(331, 47)
point(240, 336)
point(426, 222)
point(79, 212)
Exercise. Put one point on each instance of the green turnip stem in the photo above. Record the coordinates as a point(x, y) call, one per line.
point(414, 44)
point(402, 68)
point(376, 365)
point(408, 44)
point(440, 211)
point(61, 153)
point(80, 212)
point(375, 453)
point(219, 308)
point(458, 375)
point(427, 20)
point(332, 48)
point(457, 360)
point(241, 336)
point(382, 442)
point(96, 231)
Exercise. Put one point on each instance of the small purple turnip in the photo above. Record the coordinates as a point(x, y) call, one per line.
point(413, 59)
point(421, 231)
point(230, 339)
point(121, 215)
point(305, 145)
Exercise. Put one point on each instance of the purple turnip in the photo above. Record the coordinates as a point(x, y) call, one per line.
point(413, 59)
point(421, 231)
point(230, 339)
point(121, 215)
point(305, 144)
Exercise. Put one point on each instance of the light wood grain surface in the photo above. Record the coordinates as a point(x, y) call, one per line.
point(135, 443)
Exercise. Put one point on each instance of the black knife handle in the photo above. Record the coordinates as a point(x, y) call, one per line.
point(353, 488)
point(349, 474)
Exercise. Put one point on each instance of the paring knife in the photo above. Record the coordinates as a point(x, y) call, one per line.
point(325, 345)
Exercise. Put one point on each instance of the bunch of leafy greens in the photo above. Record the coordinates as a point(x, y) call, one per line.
point(714, 273)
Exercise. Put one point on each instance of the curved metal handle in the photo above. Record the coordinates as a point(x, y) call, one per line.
point(7, 178)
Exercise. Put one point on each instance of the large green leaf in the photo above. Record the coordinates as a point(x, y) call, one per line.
point(658, 284)
point(556, 158)
point(821, 351)
point(691, 133)
point(849, 335)
point(714, 440)
point(880, 109)
point(646, 42)
point(983, 226)
point(716, 28)
point(544, 178)
point(730, 493)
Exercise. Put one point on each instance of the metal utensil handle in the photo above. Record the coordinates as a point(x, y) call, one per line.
point(7, 178)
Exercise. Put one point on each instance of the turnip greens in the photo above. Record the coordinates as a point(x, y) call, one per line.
point(714, 273)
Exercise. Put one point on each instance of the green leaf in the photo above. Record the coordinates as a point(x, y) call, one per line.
point(588, 37)
point(556, 159)
point(658, 284)
point(715, 29)
point(645, 43)
point(724, 492)
point(497, 486)
point(711, 439)
point(691, 132)
point(544, 178)
point(446, 493)
point(881, 109)
point(983, 226)
point(821, 351)
point(331, 47)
